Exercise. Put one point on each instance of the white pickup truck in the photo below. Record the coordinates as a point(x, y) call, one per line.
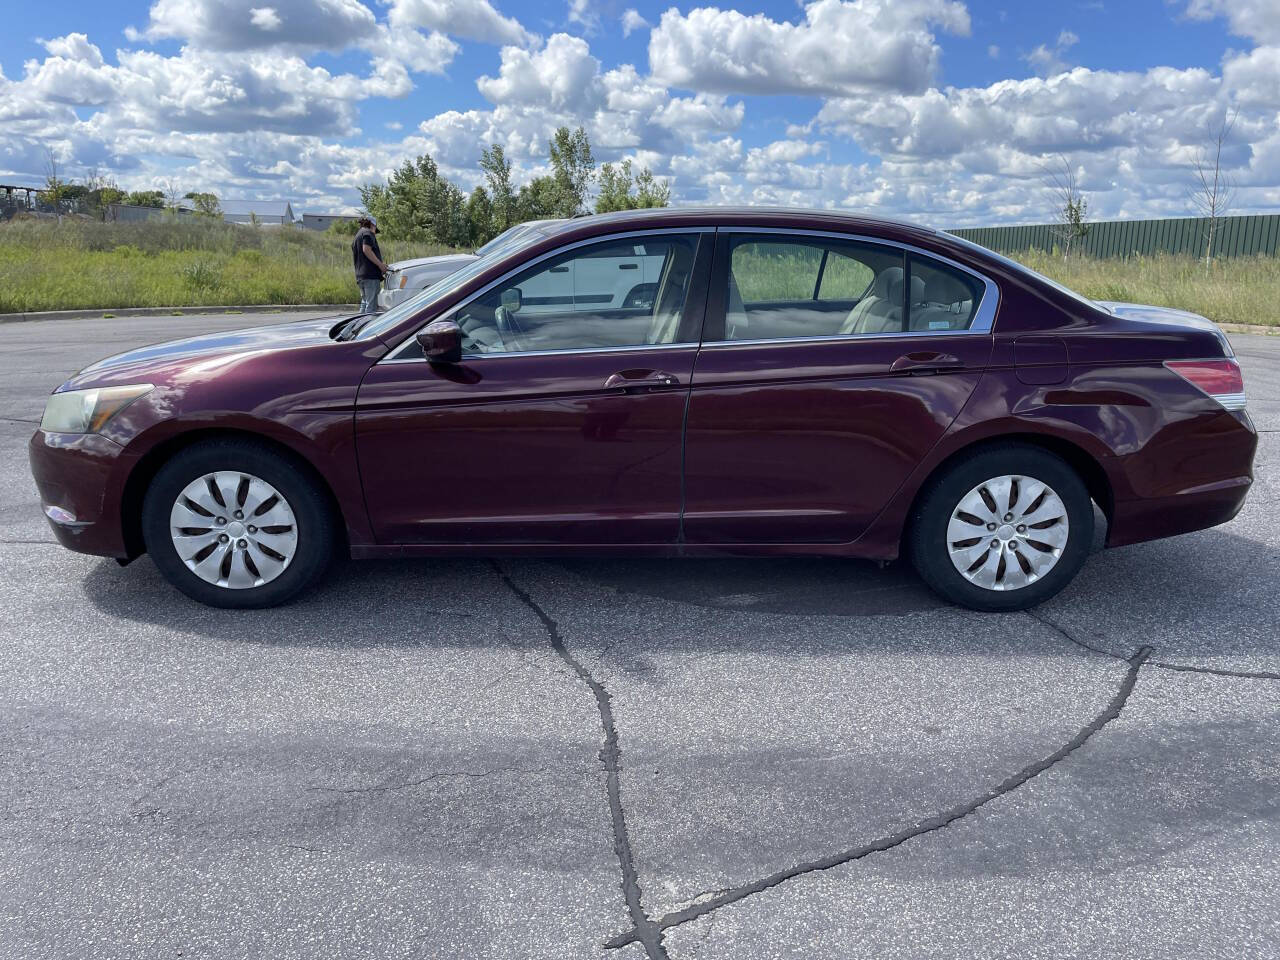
point(405, 278)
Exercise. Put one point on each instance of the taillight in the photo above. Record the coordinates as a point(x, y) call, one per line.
point(1220, 379)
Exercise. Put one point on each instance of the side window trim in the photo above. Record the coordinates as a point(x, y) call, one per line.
point(693, 303)
point(983, 320)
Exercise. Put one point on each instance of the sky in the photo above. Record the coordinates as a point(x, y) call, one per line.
point(948, 112)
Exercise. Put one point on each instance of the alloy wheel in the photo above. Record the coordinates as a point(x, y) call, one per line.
point(1007, 532)
point(233, 530)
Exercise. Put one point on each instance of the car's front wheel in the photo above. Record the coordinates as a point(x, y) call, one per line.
point(232, 523)
point(1005, 529)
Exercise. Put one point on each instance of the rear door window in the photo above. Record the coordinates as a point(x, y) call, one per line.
point(942, 297)
point(781, 288)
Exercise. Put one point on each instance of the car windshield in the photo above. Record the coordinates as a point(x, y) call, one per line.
point(445, 287)
point(502, 239)
point(1023, 268)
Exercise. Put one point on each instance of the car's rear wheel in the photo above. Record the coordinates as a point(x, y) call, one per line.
point(234, 524)
point(1004, 529)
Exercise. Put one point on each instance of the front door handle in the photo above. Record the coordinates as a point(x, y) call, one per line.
point(925, 362)
point(637, 380)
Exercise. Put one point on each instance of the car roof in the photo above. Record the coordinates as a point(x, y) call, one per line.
point(710, 216)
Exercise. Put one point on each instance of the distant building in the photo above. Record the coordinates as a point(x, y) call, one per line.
point(275, 212)
point(323, 221)
point(127, 213)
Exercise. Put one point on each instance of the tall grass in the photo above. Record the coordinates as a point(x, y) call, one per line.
point(50, 266)
point(1240, 290)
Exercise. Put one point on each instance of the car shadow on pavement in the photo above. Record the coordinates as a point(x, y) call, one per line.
point(1206, 592)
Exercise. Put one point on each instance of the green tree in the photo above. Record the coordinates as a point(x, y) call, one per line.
point(205, 204)
point(479, 218)
point(502, 196)
point(417, 203)
point(103, 192)
point(55, 188)
point(616, 185)
point(539, 199)
point(345, 227)
point(146, 198)
point(651, 192)
point(572, 170)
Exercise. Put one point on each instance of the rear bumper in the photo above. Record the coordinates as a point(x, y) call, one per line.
point(78, 477)
point(1197, 478)
point(1135, 521)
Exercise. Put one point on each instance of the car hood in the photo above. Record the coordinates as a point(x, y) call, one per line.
point(135, 364)
point(448, 261)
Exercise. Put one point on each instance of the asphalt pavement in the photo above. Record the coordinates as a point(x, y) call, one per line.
point(626, 759)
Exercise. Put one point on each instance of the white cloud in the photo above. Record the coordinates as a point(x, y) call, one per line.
point(702, 112)
point(265, 18)
point(582, 13)
point(562, 76)
point(632, 21)
point(1257, 19)
point(993, 52)
point(841, 46)
point(75, 73)
point(470, 19)
point(247, 24)
point(1049, 61)
point(262, 120)
point(74, 46)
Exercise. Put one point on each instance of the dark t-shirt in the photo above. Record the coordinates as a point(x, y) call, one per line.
point(366, 269)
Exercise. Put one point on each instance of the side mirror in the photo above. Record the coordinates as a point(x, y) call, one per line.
point(512, 299)
point(441, 341)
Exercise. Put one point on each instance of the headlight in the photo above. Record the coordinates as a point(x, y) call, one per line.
point(88, 411)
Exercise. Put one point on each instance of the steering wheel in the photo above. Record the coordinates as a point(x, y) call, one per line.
point(509, 330)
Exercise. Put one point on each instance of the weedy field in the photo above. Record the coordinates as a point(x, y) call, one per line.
point(57, 266)
point(1241, 290)
point(46, 265)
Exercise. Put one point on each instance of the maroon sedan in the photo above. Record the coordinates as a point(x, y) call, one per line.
point(666, 383)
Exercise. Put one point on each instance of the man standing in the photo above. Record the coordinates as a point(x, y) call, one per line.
point(367, 258)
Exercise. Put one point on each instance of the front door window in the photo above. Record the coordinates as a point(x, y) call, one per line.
point(619, 293)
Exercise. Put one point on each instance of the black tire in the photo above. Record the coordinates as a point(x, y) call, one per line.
point(927, 531)
point(315, 527)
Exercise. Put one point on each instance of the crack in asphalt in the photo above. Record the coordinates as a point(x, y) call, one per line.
point(1159, 664)
point(1066, 634)
point(644, 930)
point(1217, 671)
point(929, 825)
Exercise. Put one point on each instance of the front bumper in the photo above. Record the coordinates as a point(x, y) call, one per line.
point(388, 298)
point(80, 480)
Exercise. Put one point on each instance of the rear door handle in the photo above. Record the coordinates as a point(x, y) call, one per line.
point(639, 380)
point(926, 362)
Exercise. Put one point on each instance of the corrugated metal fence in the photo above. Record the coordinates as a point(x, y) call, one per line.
point(1235, 237)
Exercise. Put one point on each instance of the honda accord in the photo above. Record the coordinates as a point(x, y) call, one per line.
point(680, 382)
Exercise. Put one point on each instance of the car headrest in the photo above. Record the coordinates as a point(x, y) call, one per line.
point(888, 285)
point(917, 289)
point(944, 288)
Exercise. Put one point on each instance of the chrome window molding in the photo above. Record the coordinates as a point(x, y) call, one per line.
point(576, 351)
point(838, 338)
point(983, 319)
point(393, 356)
